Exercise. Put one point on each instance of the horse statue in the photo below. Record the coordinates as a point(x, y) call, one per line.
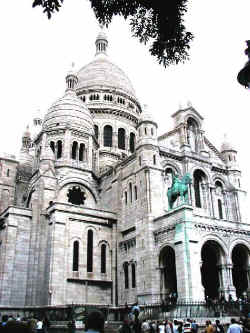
point(179, 188)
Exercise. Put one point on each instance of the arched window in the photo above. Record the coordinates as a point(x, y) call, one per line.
point(59, 149)
point(239, 182)
point(199, 177)
point(75, 256)
point(107, 136)
point(152, 131)
point(133, 276)
point(139, 160)
point(130, 192)
point(145, 129)
point(229, 157)
point(74, 150)
point(132, 142)
point(81, 152)
point(192, 134)
point(126, 278)
point(90, 251)
point(121, 138)
point(103, 258)
point(8, 173)
point(52, 146)
point(220, 209)
point(96, 132)
point(169, 177)
point(135, 188)
point(154, 159)
point(126, 197)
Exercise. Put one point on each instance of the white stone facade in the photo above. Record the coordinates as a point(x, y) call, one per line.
point(85, 216)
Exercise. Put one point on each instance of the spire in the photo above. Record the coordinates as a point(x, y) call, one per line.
point(71, 79)
point(101, 42)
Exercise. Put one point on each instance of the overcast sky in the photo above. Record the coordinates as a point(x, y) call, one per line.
point(37, 53)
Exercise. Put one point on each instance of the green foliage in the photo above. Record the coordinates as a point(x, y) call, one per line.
point(157, 22)
point(49, 6)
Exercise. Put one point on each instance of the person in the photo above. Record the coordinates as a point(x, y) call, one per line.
point(218, 327)
point(125, 328)
point(46, 324)
point(180, 327)
point(14, 326)
point(168, 327)
point(145, 326)
point(194, 326)
point(4, 320)
point(136, 310)
point(39, 326)
point(161, 327)
point(209, 327)
point(234, 327)
point(95, 322)
point(175, 326)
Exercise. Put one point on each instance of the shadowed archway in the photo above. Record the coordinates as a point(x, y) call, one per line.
point(212, 256)
point(168, 271)
point(240, 259)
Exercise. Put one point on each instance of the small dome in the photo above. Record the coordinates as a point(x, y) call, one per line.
point(227, 145)
point(69, 109)
point(146, 116)
point(26, 133)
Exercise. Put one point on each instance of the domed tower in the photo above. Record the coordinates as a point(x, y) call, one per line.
point(147, 144)
point(68, 129)
point(110, 97)
point(25, 157)
point(229, 154)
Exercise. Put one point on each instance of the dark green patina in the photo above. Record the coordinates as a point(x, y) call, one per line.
point(179, 188)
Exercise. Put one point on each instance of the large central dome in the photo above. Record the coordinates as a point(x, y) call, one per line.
point(102, 73)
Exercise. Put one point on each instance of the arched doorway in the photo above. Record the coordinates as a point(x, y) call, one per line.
point(240, 259)
point(168, 272)
point(212, 257)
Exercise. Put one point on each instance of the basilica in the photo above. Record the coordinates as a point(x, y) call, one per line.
point(101, 209)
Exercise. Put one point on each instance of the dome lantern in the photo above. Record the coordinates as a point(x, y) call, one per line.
point(101, 43)
point(71, 79)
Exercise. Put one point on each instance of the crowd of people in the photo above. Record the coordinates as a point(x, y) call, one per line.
point(131, 324)
point(180, 326)
point(11, 324)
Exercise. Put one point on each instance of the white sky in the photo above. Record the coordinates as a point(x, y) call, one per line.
point(37, 53)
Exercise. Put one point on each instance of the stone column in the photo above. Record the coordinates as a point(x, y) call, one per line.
point(208, 198)
point(212, 190)
point(223, 278)
point(115, 140)
point(161, 274)
point(248, 281)
point(204, 204)
point(230, 287)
